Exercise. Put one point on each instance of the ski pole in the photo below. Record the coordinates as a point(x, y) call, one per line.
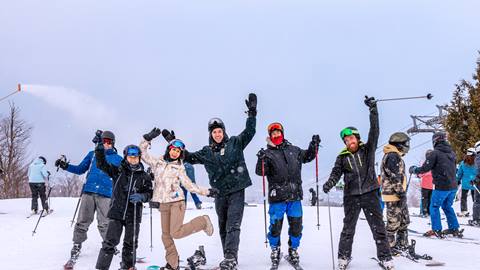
point(41, 214)
point(408, 183)
point(134, 234)
point(151, 230)
point(316, 175)
point(428, 96)
point(264, 201)
point(19, 88)
point(331, 234)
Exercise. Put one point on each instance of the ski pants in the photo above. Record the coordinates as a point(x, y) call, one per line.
point(426, 199)
point(294, 213)
point(443, 199)
point(38, 190)
point(398, 219)
point(464, 199)
point(229, 210)
point(370, 204)
point(112, 239)
point(91, 203)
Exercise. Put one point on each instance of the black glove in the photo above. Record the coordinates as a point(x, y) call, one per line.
point(261, 154)
point(98, 137)
point(370, 102)
point(168, 135)
point(61, 163)
point(251, 105)
point(152, 134)
point(316, 139)
point(213, 192)
point(402, 195)
point(326, 188)
point(412, 169)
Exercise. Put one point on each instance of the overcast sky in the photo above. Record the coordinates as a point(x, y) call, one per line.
point(128, 66)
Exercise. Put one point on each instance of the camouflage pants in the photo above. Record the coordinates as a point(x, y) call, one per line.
point(397, 223)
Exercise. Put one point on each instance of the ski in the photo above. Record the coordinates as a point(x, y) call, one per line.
point(464, 240)
point(141, 260)
point(296, 266)
point(379, 263)
point(69, 265)
point(46, 213)
point(33, 214)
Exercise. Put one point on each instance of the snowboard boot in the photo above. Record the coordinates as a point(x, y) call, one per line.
point(343, 263)
point(275, 256)
point(387, 264)
point(453, 232)
point(209, 226)
point(228, 264)
point(474, 222)
point(437, 234)
point(293, 256)
point(198, 258)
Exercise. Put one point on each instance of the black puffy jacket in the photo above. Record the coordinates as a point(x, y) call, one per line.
point(441, 161)
point(283, 168)
point(358, 169)
point(125, 183)
point(225, 162)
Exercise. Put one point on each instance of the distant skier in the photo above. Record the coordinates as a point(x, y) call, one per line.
point(475, 221)
point(466, 173)
point(282, 165)
point(170, 172)
point(132, 186)
point(37, 177)
point(96, 192)
point(313, 197)
point(394, 191)
point(357, 163)
point(442, 164)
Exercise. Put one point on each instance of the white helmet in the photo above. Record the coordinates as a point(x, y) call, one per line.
point(471, 152)
point(477, 147)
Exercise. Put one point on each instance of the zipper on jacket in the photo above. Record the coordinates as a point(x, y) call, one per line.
point(113, 190)
point(128, 196)
point(358, 174)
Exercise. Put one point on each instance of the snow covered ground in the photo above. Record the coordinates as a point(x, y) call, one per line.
point(49, 248)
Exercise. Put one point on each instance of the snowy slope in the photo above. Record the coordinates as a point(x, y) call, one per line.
point(50, 247)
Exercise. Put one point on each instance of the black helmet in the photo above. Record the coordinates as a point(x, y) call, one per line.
point(215, 123)
point(108, 135)
point(401, 141)
point(439, 136)
point(132, 150)
point(43, 159)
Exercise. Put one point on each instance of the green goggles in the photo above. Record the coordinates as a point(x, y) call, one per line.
point(347, 132)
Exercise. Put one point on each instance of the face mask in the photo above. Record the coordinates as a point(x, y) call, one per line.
point(277, 140)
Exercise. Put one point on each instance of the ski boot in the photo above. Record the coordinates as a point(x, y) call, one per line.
point(437, 234)
point(463, 214)
point(197, 259)
point(293, 258)
point(275, 257)
point(74, 254)
point(474, 222)
point(386, 264)
point(343, 263)
point(454, 232)
point(228, 264)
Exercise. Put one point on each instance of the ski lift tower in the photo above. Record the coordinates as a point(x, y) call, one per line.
point(428, 124)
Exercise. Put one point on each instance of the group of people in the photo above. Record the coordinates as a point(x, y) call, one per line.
point(116, 186)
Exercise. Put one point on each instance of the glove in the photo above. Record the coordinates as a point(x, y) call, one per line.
point(316, 139)
point(326, 188)
point(251, 105)
point(168, 135)
point(402, 195)
point(61, 163)
point(261, 154)
point(413, 169)
point(137, 198)
point(370, 102)
point(98, 137)
point(213, 192)
point(152, 134)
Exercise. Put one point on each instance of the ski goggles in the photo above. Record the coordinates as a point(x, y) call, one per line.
point(177, 144)
point(107, 141)
point(275, 126)
point(347, 132)
point(133, 151)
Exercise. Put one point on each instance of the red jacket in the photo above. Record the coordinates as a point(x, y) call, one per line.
point(427, 180)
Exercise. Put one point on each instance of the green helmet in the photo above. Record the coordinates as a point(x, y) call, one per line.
point(349, 131)
point(401, 141)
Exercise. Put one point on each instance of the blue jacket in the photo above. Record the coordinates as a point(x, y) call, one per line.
point(97, 182)
point(37, 172)
point(465, 174)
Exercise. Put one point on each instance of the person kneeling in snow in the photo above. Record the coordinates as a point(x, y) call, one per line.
point(169, 173)
point(394, 191)
point(132, 186)
point(282, 164)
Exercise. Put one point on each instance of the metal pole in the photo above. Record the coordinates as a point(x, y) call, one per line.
point(428, 96)
point(316, 175)
point(264, 202)
point(41, 214)
point(331, 234)
point(19, 88)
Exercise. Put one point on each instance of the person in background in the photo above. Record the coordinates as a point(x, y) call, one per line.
point(37, 177)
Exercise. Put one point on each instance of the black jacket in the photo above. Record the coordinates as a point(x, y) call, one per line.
point(125, 183)
point(358, 169)
point(283, 168)
point(441, 161)
point(225, 162)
